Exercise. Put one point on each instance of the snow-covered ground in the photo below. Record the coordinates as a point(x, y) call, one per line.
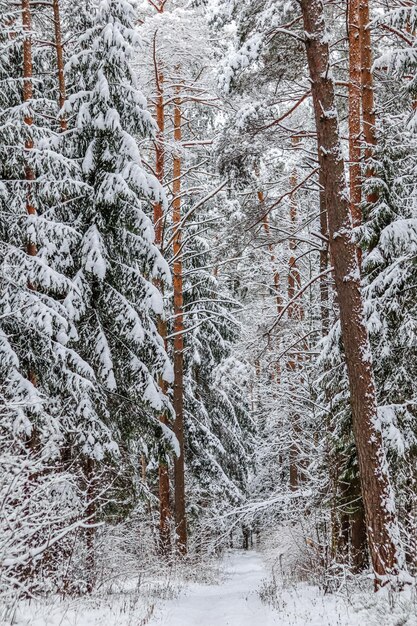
point(235, 600)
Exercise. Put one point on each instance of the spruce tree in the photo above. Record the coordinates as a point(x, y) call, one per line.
point(115, 302)
point(219, 429)
point(46, 385)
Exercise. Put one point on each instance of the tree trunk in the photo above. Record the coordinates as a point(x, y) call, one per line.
point(159, 154)
point(163, 472)
point(59, 62)
point(90, 533)
point(178, 400)
point(324, 261)
point(27, 96)
point(367, 84)
point(359, 554)
point(265, 224)
point(354, 112)
point(294, 311)
point(376, 489)
point(358, 525)
point(275, 273)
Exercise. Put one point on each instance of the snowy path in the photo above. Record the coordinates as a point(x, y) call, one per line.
point(235, 602)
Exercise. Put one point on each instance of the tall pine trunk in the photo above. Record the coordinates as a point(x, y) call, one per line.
point(294, 312)
point(178, 327)
point(59, 61)
point(27, 96)
point(383, 533)
point(324, 261)
point(357, 535)
point(275, 273)
point(354, 112)
point(367, 86)
point(163, 472)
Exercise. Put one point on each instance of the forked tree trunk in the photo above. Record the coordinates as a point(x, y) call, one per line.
point(178, 327)
point(380, 514)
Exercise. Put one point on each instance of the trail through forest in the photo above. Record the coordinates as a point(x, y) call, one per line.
point(236, 601)
point(208, 312)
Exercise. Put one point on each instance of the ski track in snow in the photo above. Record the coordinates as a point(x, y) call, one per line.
point(236, 602)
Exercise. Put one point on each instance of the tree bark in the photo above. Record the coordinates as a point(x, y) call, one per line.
point(294, 312)
point(376, 489)
point(367, 86)
point(178, 327)
point(165, 514)
point(265, 224)
point(359, 554)
point(59, 62)
point(324, 261)
point(357, 520)
point(275, 273)
point(354, 112)
point(90, 533)
point(27, 97)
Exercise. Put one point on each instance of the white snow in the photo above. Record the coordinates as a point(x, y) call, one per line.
point(236, 601)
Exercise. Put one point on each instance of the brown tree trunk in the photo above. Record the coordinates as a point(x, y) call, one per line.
point(354, 112)
point(294, 313)
point(59, 62)
point(324, 261)
point(358, 524)
point(376, 489)
point(359, 554)
point(163, 472)
point(367, 84)
point(159, 154)
point(27, 96)
point(275, 273)
point(178, 327)
point(90, 533)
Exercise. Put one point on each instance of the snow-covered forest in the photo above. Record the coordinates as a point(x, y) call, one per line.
point(208, 312)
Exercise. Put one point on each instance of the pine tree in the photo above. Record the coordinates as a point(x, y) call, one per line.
point(380, 514)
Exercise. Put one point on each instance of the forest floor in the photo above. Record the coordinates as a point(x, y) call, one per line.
point(236, 601)
point(244, 594)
